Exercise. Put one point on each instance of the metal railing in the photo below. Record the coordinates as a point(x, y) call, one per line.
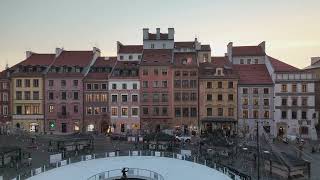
point(132, 173)
point(230, 172)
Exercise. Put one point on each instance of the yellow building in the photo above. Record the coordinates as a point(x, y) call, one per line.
point(27, 92)
point(218, 96)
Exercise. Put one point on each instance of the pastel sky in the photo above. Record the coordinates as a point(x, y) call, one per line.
point(290, 28)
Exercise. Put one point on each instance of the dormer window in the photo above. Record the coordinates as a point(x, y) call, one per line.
point(184, 61)
point(248, 61)
point(139, 56)
point(219, 72)
point(152, 46)
point(130, 57)
point(205, 57)
point(121, 57)
point(241, 61)
point(164, 46)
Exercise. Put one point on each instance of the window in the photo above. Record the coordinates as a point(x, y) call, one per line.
point(193, 73)
point(19, 110)
point(134, 98)
point(244, 90)
point(134, 86)
point(63, 95)
point(124, 98)
point(121, 57)
point(209, 111)
point(304, 130)
point(255, 91)
point(114, 98)
point(185, 73)
point(51, 108)
point(35, 95)
point(294, 102)
point(75, 95)
point(193, 96)
point(18, 95)
point(104, 86)
point(185, 112)
point(219, 71)
point(248, 61)
point(265, 90)
point(145, 84)
point(18, 83)
point(145, 110)
point(193, 112)
point(245, 101)
point(304, 101)
point(130, 57)
point(114, 86)
point(255, 114)
point(139, 56)
point(284, 114)
point(50, 95)
point(27, 95)
point(95, 86)
point(124, 86)
point(294, 114)
point(145, 72)
point(177, 83)
point(294, 88)
point(205, 57)
point(51, 83)
point(96, 110)
point(164, 111)
point(36, 83)
point(144, 97)
point(220, 111)
point(163, 46)
point(63, 83)
point(230, 112)
point(283, 88)
point(134, 111)
point(5, 97)
point(164, 84)
point(4, 85)
point(219, 97)
point(155, 84)
point(256, 61)
point(177, 96)
point(304, 87)
point(209, 97)
point(185, 96)
point(177, 73)
point(230, 85)
point(177, 112)
point(152, 46)
point(241, 61)
point(156, 98)
point(103, 98)
point(164, 72)
point(230, 97)
point(185, 84)
point(303, 115)
point(209, 85)
point(266, 102)
point(75, 108)
point(255, 101)
point(155, 72)
point(27, 83)
point(75, 82)
point(164, 98)
point(89, 86)
point(245, 114)
point(5, 110)
point(193, 83)
point(156, 111)
point(266, 114)
point(284, 101)
point(219, 84)
point(114, 111)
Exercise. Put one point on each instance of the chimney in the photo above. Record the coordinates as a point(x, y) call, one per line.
point(119, 44)
point(197, 44)
point(315, 60)
point(229, 51)
point(263, 46)
point(158, 33)
point(171, 33)
point(96, 51)
point(58, 51)
point(145, 33)
point(28, 54)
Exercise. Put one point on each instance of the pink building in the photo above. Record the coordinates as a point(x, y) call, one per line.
point(64, 90)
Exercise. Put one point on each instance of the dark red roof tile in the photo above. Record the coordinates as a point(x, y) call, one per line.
point(280, 66)
point(105, 61)
point(38, 59)
point(135, 49)
point(157, 57)
point(208, 69)
point(253, 74)
point(74, 58)
point(185, 59)
point(185, 44)
point(247, 51)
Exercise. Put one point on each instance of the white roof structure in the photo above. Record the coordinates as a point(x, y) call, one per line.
point(168, 168)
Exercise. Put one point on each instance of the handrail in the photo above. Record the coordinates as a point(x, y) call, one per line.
point(132, 172)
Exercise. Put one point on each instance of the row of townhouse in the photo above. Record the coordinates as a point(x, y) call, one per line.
point(158, 85)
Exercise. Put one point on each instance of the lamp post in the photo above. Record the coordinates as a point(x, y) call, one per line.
point(258, 152)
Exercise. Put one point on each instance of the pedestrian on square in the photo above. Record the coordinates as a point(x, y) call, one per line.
point(29, 160)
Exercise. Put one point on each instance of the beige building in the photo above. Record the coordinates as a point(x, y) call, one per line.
point(218, 96)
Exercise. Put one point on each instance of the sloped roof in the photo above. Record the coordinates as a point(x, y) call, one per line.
point(184, 44)
point(3, 74)
point(208, 69)
point(220, 61)
point(135, 49)
point(101, 62)
point(105, 61)
point(280, 66)
point(185, 59)
point(247, 51)
point(156, 57)
point(253, 74)
point(74, 58)
point(38, 59)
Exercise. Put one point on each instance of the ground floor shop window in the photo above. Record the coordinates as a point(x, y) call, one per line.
point(90, 128)
point(34, 127)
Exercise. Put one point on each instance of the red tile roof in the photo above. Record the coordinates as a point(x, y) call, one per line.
point(189, 58)
point(3, 74)
point(136, 49)
point(157, 57)
point(253, 74)
point(280, 66)
point(105, 61)
point(247, 51)
point(101, 62)
point(185, 44)
point(74, 58)
point(220, 61)
point(163, 36)
point(208, 69)
point(38, 59)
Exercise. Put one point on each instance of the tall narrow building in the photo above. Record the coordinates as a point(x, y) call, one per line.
point(5, 102)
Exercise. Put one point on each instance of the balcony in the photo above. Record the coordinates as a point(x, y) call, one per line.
point(28, 116)
point(63, 115)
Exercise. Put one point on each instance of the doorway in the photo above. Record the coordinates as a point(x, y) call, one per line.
point(64, 127)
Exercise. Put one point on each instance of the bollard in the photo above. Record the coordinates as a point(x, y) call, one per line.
point(57, 164)
point(69, 161)
point(140, 153)
point(31, 172)
point(106, 154)
point(173, 155)
point(194, 159)
point(215, 166)
point(94, 156)
point(44, 168)
point(205, 162)
point(129, 153)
